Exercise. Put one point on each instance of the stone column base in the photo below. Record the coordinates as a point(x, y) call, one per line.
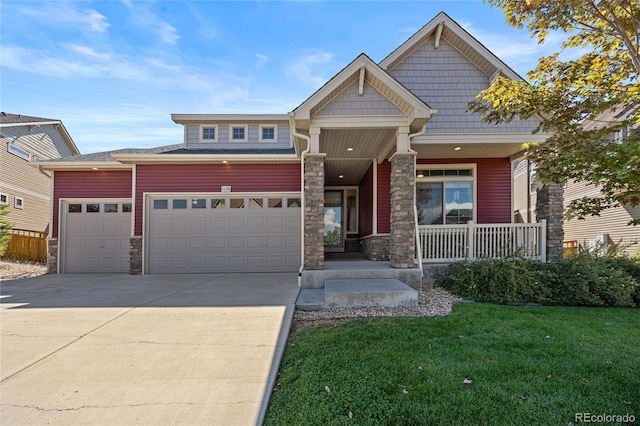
point(376, 247)
point(52, 255)
point(135, 256)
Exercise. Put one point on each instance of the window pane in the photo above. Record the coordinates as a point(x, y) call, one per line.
point(93, 208)
point(75, 208)
point(126, 208)
point(268, 133)
point(209, 133)
point(255, 203)
point(111, 208)
point(459, 202)
point(352, 212)
point(237, 203)
point(19, 152)
point(217, 203)
point(198, 203)
point(238, 133)
point(429, 202)
point(294, 202)
point(275, 203)
point(160, 204)
point(180, 204)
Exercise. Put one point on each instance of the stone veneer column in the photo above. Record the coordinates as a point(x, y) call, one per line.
point(313, 215)
point(549, 206)
point(403, 185)
point(52, 255)
point(135, 256)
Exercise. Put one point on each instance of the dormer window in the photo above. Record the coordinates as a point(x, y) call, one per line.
point(238, 133)
point(268, 133)
point(208, 134)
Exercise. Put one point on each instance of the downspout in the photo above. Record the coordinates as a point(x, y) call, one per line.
point(415, 208)
point(302, 203)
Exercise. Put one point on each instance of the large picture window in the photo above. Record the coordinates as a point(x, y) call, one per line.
point(445, 195)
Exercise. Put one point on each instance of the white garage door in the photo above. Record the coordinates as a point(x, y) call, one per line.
point(205, 234)
point(96, 236)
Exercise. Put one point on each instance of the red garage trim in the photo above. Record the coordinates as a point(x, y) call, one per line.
point(88, 184)
point(210, 177)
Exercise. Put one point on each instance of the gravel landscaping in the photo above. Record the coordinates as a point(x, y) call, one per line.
point(431, 302)
point(16, 269)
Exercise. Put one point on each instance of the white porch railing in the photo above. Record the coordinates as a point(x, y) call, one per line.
point(450, 243)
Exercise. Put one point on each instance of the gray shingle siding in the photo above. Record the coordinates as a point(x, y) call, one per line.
point(349, 102)
point(253, 138)
point(447, 81)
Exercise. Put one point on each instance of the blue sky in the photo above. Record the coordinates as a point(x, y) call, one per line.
point(114, 71)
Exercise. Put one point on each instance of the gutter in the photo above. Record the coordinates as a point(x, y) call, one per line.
point(294, 133)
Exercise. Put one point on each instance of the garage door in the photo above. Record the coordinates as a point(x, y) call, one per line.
point(96, 237)
point(204, 234)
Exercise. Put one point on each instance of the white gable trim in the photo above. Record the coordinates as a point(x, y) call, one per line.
point(421, 110)
point(434, 26)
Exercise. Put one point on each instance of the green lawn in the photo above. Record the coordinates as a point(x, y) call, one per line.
point(528, 365)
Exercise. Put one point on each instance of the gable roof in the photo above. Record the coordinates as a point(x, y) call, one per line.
point(16, 120)
point(443, 26)
point(359, 68)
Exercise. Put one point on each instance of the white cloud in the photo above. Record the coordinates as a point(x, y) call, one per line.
point(261, 60)
point(88, 51)
point(168, 33)
point(58, 13)
point(330, 223)
point(308, 68)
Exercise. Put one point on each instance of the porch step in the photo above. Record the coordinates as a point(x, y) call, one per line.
point(310, 299)
point(357, 293)
point(359, 270)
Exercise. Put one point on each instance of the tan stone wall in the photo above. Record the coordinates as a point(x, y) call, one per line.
point(403, 182)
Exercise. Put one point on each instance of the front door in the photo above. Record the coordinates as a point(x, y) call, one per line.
point(333, 218)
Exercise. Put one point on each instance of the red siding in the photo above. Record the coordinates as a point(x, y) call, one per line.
point(88, 184)
point(384, 197)
point(210, 177)
point(493, 200)
point(365, 204)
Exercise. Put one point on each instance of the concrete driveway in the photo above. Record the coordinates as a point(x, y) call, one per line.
point(154, 349)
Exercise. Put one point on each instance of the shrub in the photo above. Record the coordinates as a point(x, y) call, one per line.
point(582, 280)
point(497, 281)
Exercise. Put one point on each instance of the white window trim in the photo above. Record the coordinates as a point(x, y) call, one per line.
point(275, 133)
point(473, 178)
point(18, 203)
point(20, 154)
point(237, 126)
point(208, 126)
point(6, 196)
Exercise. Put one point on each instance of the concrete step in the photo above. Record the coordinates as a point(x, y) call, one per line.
point(310, 299)
point(356, 293)
point(364, 271)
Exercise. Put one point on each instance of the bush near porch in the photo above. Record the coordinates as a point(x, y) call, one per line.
point(585, 279)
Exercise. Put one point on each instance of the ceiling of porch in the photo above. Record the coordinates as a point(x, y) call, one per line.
point(350, 152)
point(477, 150)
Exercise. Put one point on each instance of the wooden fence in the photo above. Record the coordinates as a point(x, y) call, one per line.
point(27, 245)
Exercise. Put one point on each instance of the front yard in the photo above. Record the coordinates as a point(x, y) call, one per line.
point(483, 364)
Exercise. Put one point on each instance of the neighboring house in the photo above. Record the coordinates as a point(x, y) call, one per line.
point(610, 228)
point(25, 188)
point(377, 148)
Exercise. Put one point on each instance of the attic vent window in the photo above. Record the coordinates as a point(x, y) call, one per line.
point(239, 133)
point(268, 133)
point(208, 134)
